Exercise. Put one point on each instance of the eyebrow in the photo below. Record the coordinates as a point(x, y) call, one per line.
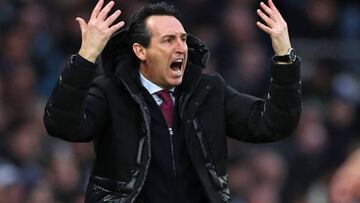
point(174, 35)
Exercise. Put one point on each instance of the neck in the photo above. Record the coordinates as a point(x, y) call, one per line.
point(144, 70)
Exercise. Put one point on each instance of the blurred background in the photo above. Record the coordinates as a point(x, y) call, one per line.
point(38, 36)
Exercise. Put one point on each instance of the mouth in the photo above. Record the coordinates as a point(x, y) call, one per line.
point(176, 65)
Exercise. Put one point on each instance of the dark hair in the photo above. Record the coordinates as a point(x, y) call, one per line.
point(138, 31)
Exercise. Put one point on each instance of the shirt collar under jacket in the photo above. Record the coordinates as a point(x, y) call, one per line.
point(151, 87)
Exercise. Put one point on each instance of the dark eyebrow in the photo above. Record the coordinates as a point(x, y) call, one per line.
point(174, 35)
point(168, 36)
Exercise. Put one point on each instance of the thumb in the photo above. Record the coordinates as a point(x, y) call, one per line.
point(82, 23)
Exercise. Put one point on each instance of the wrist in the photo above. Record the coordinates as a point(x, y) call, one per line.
point(90, 57)
point(287, 58)
point(282, 52)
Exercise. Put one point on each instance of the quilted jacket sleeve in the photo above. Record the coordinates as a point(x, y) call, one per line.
point(76, 109)
point(256, 120)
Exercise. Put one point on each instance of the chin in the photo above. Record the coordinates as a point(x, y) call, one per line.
point(175, 82)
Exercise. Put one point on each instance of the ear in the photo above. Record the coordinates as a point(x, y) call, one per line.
point(139, 51)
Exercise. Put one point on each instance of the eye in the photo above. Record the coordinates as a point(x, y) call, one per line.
point(168, 40)
point(184, 38)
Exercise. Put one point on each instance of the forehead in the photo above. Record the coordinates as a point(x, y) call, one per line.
point(164, 25)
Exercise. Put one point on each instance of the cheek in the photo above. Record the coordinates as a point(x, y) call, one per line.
point(159, 58)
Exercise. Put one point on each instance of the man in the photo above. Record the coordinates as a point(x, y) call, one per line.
point(158, 124)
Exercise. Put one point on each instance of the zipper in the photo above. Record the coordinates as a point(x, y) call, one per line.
point(172, 151)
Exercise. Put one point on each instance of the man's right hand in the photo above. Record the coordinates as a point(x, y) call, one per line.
point(97, 32)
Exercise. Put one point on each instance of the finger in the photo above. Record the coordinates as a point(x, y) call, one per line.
point(265, 18)
point(272, 5)
point(267, 10)
point(116, 27)
point(112, 18)
point(82, 24)
point(276, 11)
point(103, 13)
point(97, 9)
point(264, 27)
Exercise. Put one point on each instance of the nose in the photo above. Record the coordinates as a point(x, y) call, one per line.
point(181, 46)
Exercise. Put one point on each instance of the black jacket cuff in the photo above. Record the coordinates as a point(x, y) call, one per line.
point(285, 74)
point(78, 73)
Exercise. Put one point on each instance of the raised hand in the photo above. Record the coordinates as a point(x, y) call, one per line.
point(275, 26)
point(97, 32)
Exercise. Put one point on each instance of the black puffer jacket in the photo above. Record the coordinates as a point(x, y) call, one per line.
point(111, 111)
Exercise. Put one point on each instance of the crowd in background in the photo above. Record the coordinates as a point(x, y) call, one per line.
point(38, 36)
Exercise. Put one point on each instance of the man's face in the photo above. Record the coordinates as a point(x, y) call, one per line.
point(166, 56)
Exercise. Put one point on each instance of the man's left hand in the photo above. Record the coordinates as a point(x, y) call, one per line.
point(275, 26)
